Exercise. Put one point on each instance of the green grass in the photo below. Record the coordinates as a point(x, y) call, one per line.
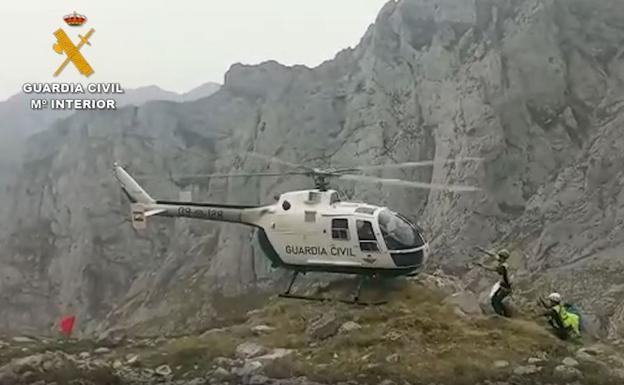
point(70, 372)
point(191, 352)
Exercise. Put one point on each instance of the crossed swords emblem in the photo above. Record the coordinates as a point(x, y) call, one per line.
point(64, 44)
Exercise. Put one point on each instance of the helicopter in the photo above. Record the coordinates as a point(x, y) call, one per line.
point(313, 230)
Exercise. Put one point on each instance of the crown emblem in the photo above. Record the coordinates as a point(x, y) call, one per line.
point(75, 19)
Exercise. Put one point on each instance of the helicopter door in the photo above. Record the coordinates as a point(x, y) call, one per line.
point(366, 236)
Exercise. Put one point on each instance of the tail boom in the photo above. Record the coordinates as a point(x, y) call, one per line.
point(142, 206)
point(197, 211)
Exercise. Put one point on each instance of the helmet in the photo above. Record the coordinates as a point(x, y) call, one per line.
point(503, 254)
point(555, 297)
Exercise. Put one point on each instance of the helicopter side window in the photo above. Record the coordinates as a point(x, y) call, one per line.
point(368, 242)
point(340, 229)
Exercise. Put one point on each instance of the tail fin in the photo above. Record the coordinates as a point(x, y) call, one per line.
point(131, 188)
point(139, 199)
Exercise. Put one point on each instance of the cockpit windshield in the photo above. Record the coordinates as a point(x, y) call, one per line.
point(398, 232)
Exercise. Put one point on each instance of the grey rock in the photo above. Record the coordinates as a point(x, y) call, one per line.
point(275, 354)
point(249, 368)
point(323, 327)
point(584, 356)
point(102, 350)
point(33, 361)
point(258, 380)
point(618, 373)
point(567, 372)
point(348, 327)
point(147, 372)
point(253, 313)
point(262, 329)
point(8, 377)
point(47, 366)
point(535, 360)
point(22, 339)
point(387, 382)
point(111, 338)
point(132, 358)
point(393, 336)
point(28, 377)
point(221, 373)
point(196, 381)
point(393, 358)
point(223, 361)
point(526, 370)
point(163, 370)
point(569, 361)
point(249, 350)
point(594, 350)
point(213, 332)
point(501, 364)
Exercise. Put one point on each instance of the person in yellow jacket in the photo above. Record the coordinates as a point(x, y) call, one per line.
point(565, 323)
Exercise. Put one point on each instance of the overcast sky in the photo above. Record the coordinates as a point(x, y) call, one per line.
point(176, 45)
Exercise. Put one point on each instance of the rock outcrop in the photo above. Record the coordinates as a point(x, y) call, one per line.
point(532, 86)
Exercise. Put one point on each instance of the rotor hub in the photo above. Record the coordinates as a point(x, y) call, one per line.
point(320, 181)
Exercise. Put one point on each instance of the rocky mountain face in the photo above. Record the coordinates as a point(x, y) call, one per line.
point(532, 86)
point(18, 122)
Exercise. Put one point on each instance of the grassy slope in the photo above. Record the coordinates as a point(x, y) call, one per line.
point(434, 345)
point(432, 342)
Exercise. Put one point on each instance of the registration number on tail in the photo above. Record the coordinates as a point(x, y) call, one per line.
point(200, 213)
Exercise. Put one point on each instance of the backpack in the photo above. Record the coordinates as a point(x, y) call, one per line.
point(571, 308)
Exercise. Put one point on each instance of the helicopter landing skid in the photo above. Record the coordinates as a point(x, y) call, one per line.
point(355, 301)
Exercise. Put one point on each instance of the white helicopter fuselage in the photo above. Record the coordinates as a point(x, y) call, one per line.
point(308, 230)
point(314, 230)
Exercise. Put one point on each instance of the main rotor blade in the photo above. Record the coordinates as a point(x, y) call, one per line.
point(208, 176)
point(241, 174)
point(423, 163)
point(273, 159)
point(407, 183)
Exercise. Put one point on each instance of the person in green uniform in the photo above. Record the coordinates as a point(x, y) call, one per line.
point(564, 322)
point(502, 288)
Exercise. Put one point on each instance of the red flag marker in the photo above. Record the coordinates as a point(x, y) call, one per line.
point(67, 325)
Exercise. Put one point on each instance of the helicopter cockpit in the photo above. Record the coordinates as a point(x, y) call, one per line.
point(403, 239)
point(398, 232)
